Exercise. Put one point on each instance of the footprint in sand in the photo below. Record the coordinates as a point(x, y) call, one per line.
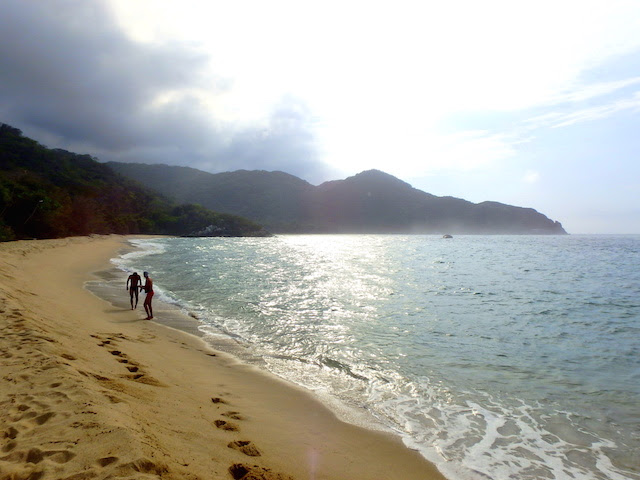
point(106, 461)
point(58, 397)
point(246, 447)
point(140, 376)
point(35, 456)
point(100, 378)
point(44, 418)
point(113, 398)
point(144, 465)
point(233, 415)
point(228, 426)
point(60, 456)
point(9, 446)
point(240, 471)
point(137, 374)
point(109, 338)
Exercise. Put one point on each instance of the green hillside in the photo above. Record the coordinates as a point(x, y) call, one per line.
point(369, 202)
point(49, 193)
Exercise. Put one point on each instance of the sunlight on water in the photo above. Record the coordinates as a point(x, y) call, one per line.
point(499, 357)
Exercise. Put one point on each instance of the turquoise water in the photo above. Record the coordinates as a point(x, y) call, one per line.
point(495, 356)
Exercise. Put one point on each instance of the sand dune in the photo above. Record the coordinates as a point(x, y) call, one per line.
point(89, 390)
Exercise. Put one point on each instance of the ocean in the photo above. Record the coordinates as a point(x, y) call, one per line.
point(494, 356)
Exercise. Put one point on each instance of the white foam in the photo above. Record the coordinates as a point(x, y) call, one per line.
point(144, 248)
point(481, 439)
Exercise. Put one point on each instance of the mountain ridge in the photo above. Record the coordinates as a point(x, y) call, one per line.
point(371, 201)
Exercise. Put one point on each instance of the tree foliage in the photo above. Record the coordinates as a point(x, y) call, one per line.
point(49, 193)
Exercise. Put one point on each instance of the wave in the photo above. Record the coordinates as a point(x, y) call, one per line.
point(144, 248)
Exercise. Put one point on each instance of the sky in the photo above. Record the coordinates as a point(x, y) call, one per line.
point(528, 103)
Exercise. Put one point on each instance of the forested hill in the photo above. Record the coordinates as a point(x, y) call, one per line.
point(49, 193)
point(370, 202)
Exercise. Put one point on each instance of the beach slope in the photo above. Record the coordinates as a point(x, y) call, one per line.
point(89, 390)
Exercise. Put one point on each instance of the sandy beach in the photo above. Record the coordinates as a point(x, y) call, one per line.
point(89, 390)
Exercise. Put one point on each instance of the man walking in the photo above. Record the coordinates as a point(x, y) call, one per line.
point(134, 278)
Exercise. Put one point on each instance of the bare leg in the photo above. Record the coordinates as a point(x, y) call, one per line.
point(147, 308)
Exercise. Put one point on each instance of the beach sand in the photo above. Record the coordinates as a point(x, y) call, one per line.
point(89, 390)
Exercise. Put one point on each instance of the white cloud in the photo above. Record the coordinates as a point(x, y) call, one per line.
point(458, 55)
point(558, 119)
point(587, 92)
point(379, 77)
point(601, 111)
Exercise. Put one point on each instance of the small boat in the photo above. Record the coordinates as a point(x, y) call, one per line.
point(447, 236)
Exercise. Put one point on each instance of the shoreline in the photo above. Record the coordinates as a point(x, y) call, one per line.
point(122, 396)
point(176, 316)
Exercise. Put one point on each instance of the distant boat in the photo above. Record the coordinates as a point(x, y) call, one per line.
point(447, 236)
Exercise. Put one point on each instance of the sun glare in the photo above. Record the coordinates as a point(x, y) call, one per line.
point(380, 78)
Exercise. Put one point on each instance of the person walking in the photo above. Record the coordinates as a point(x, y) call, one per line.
point(148, 288)
point(134, 288)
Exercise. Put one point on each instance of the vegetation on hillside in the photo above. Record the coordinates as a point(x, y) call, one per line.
point(49, 193)
point(277, 200)
point(369, 202)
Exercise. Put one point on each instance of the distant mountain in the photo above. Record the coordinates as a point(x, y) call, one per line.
point(274, 197)
point(370, 202)
point(48, 193)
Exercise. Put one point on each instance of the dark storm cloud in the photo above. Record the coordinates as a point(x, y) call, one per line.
point(67, 69)
point(283, 144)
point(69, 74)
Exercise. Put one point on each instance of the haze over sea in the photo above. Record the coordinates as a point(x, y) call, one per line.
point(495, 356)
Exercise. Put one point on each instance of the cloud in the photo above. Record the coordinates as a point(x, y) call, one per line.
point(284, 142)
point(71, 78)
point(477, 149)
point(205, 86)
point(594, 90)
point(604, 99)
point(569, 117)
point(598, 112)
point(70, 71)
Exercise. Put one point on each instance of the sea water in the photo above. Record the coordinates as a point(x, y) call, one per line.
point(495, 356)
